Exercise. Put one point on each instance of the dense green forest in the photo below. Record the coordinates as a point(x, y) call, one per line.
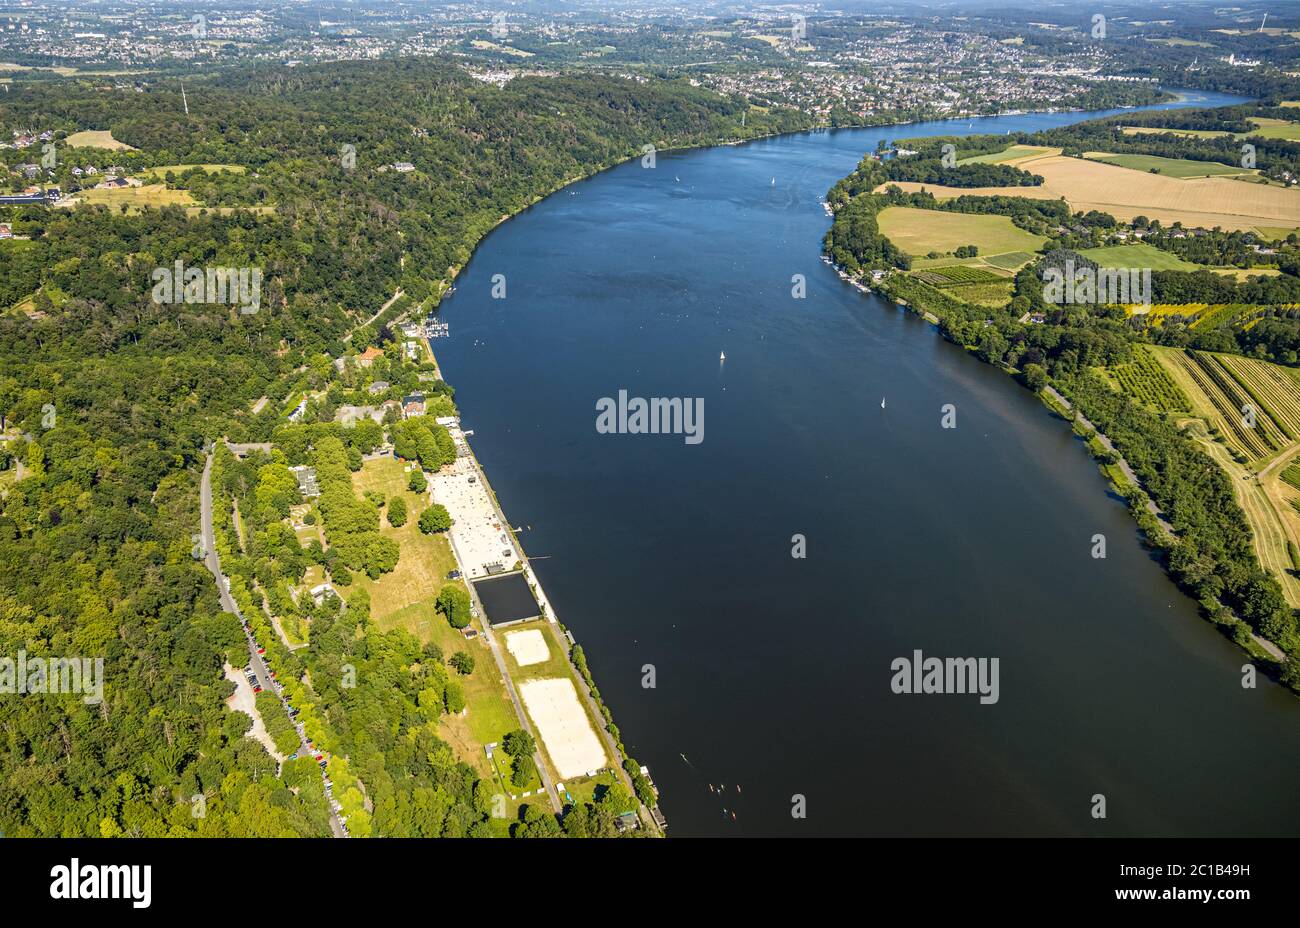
point(109, 399)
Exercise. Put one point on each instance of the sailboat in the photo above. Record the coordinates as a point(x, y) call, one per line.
point(773, 181)
point(723, 356)
point(882, 402)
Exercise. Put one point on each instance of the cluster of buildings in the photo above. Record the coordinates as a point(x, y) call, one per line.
point(922, 72)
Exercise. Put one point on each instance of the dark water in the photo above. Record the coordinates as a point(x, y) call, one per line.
point(774, 673)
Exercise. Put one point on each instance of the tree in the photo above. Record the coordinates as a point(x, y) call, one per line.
point(518, 742)
point(417, 482)
point(397, 512)
point(463, 662)
point(454, 697)
point(453, 602)
point(1034, 376)
point(523, 770)
point(435, 519)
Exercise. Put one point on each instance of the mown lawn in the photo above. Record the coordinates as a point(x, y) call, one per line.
point(1138, 255)
point(921, 231)
point(405, 599)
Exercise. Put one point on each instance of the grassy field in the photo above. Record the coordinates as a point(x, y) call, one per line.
point(1200, 202)
point(137, 198)
point(1170, 167)
point(405, 599)
point(1138, 254)
point(96, 138)
point(920, 231)
point(1014, 153)
point(1186, 133)
point(426, 559)
point(505, 49)
point(1178, 41)
point(1274, 233)
point(1276, 129)
point(1242, 273)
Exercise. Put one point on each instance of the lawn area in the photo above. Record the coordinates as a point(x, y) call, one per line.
point(96, 138)
point(921, 231)
point(1170, 167)
point(405, 599)
point(136, 198)
point(556, 664)
point(425, 559)
point(1139, 255)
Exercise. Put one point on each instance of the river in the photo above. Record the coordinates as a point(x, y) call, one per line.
point(772, 673)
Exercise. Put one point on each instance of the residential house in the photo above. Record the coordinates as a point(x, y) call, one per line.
point(413, 405)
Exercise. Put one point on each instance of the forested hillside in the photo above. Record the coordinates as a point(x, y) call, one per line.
point(109, 397)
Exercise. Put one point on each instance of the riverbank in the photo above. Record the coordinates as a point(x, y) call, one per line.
point(894, 120)
point(599, 715)
point(1158, 532)
point(658, 553)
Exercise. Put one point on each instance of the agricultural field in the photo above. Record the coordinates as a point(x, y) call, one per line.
point(1180, 41)
point(1011, 261)
point(956, 275)
point(1244, 273)
point(1146, 380)
point(1016, 153)
point(1196, 202)
point(975, 285)
point(1185, 133)
point(1276, 129)
point(1204, 315)
point(1274, 233)
point(1217, 386)
point(1291, 475)
point(921, 231)
point(1140, 255)
point(95, 138)
point(1170, 167)
point(1242, 417)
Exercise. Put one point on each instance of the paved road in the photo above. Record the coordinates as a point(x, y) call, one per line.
point(212, 561)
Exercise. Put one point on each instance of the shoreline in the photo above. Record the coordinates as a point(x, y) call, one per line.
point(612, 740)
point(456, 270)
point(1262, 650)
point(601, 716)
